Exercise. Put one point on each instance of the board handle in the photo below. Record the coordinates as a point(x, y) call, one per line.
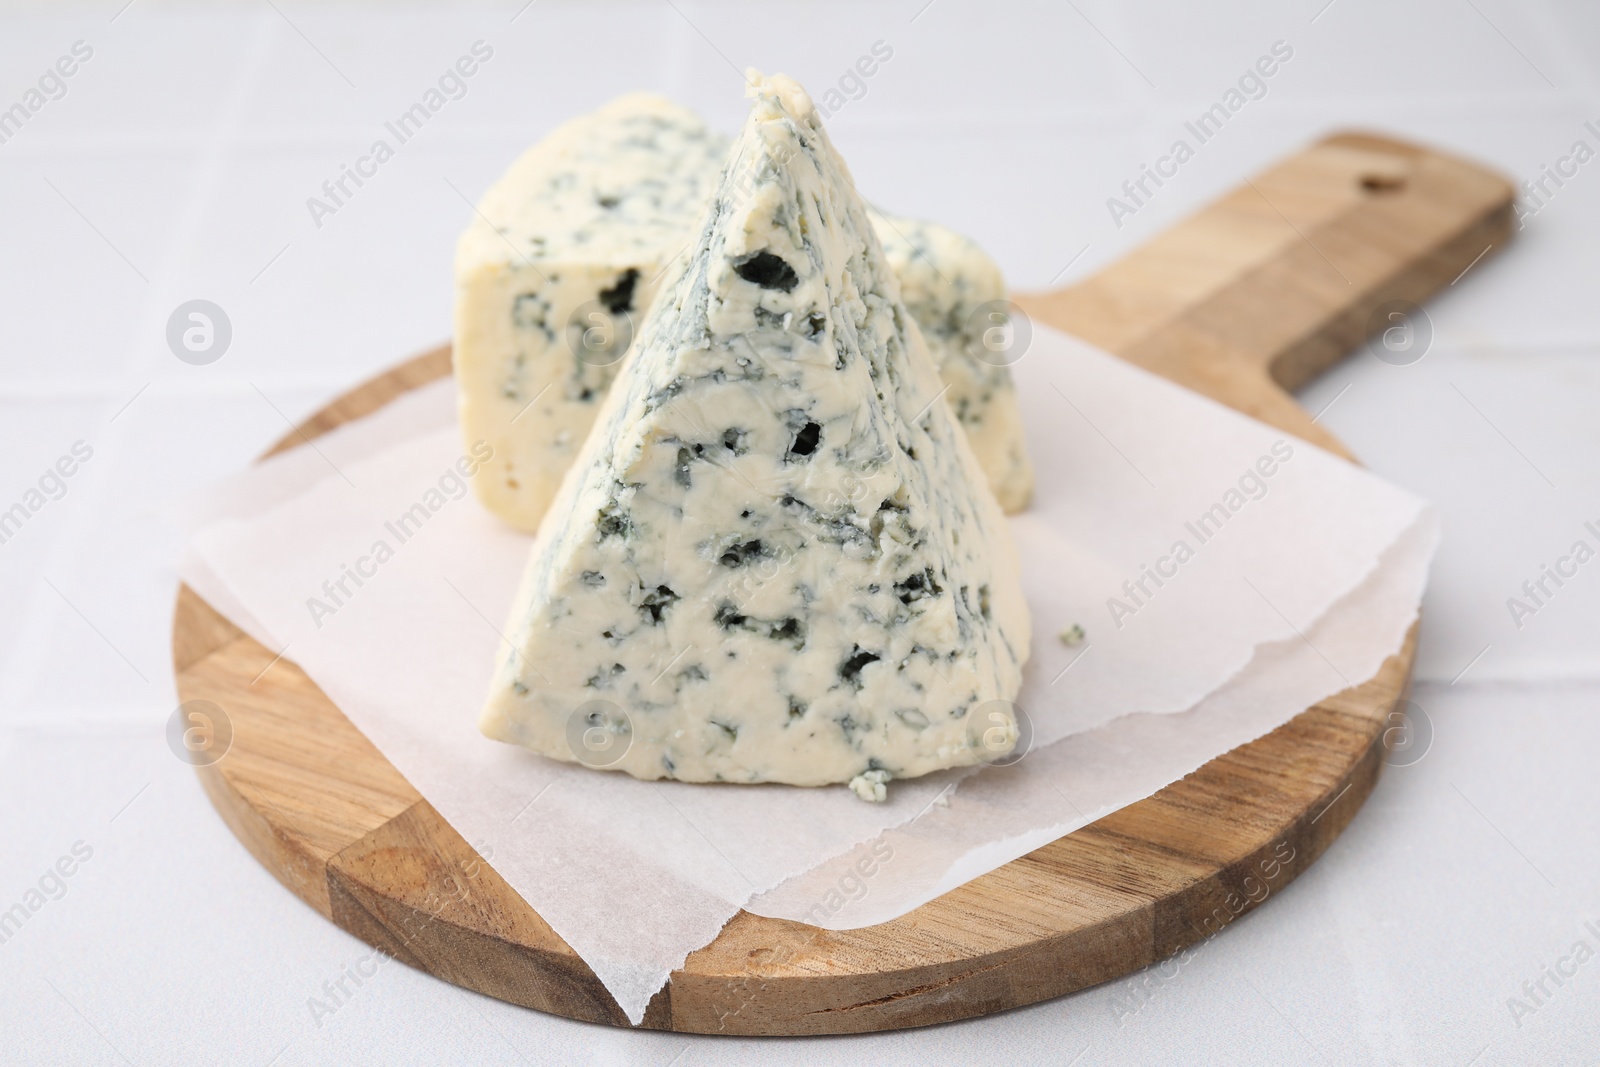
point(1277, 280)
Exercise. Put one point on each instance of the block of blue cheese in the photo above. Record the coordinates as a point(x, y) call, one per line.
point(956, 294)
point(570, 246)
point(777, 558)
point(553, 276)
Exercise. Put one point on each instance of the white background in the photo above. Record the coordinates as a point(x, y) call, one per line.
point(178, 166)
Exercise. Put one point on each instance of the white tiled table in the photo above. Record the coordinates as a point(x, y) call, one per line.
point(177, 166)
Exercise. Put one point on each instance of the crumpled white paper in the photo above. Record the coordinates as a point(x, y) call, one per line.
point(1298, 575)
point(1006, 812)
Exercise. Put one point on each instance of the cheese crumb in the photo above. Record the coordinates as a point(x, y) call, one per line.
point(871, 786)
point(1072, 635)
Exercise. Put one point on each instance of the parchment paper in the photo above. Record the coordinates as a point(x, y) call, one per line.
point(1297, 584)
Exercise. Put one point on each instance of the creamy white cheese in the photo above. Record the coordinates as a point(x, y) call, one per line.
point(955, 292)
point(776, 559)
point(569, 248)
point(553, 277)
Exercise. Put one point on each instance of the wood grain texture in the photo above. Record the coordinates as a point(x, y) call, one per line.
point(1255, 293)
point(1277, 281)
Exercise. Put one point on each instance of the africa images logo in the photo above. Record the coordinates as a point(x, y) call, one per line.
point(450, 486)
point(451, 85)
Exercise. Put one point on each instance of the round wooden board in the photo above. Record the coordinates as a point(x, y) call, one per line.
point(319, 806)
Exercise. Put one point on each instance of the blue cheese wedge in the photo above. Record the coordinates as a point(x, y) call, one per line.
point(553, 276)
point(954, 290)
point(777, 558)
point(569, 248)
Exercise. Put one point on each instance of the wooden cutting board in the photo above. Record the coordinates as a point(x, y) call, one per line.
point(1253, 295)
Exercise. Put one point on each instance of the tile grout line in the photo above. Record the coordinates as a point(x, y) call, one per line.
point(26, 659)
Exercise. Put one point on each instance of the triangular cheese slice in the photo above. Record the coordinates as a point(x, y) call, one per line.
point(776, 559)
